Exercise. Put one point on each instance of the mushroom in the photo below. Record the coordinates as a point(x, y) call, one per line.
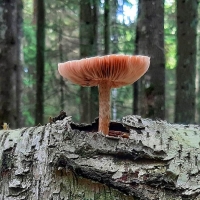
point(106, 72)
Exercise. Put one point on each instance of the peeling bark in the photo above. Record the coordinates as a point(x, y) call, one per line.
point(64, 160)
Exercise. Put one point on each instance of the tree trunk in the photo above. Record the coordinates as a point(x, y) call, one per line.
point(19, 69)
point(197, 116)
point(186, 61)
point(9, 61)
point(136, 85)
point(151, 43)
point(60, 48)
point(113, 46)
point(64, 160)
point(106, 27)
point(84, 105)
point(94, 93)
point(39, 110)
point(114, 29)
point(85, 49)
point(88, 48)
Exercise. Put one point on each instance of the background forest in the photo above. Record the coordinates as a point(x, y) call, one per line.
point(36, 35)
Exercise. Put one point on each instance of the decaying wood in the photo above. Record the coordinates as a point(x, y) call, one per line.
point(64, 160)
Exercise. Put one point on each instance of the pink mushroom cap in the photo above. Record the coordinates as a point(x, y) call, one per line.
point(119, 70)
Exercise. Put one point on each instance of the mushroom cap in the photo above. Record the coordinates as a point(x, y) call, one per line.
point(119, 70)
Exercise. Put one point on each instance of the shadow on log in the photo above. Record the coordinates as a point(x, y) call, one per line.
point(64, 160)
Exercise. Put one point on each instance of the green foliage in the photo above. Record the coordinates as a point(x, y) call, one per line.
point(61, 19)
point(124, 101)
point(29, 42)
point(126, 38)
point(170, 35)
point(62, 44)
point(29, 55)
point(170, 55)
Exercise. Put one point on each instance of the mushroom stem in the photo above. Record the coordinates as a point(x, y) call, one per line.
point(104, 106)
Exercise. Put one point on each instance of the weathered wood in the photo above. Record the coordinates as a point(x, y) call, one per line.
point(158, 161)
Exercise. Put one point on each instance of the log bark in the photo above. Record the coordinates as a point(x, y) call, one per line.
point(64, 160)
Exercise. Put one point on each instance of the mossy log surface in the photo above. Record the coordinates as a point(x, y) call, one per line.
point(64, 160)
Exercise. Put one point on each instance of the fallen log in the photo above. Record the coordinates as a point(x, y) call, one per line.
point(65, 160)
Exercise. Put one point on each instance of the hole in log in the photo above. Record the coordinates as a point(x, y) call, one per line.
point(114, 126)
